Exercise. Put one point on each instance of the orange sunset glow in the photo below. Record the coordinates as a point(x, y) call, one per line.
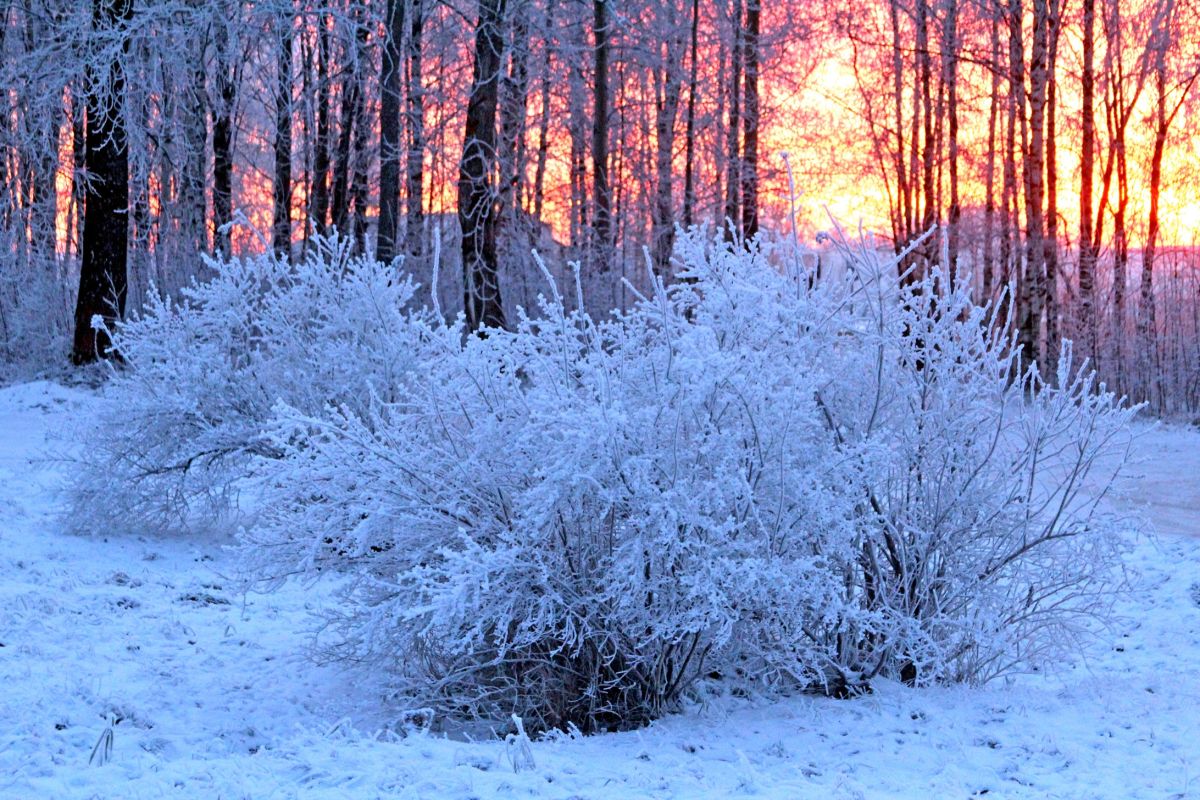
point(812, 112)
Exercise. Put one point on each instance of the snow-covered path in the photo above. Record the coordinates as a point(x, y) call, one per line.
point(213, 698)
point(1164, 480)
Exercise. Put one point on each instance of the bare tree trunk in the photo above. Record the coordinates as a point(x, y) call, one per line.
point(950, 82)
point(1120, 101)
point(1120, 262)
point(543, 149)
point(358, 184)
point(389, 131)
point(668, 79)
point(321, 147)
point(514, 100)
point(476, 195)
point(1147, 321)
point(282, 228)
point(689, 169)
point(415, 189)
point(1009, 242)
point(733, 166)
point(103, 280)
point(1033, 165)
point(903, 179)
point(1050, 288)
point(720, 149)
point(41, 160)
point(222, 125)
point(914, 224)
point(749, 174)
point(576, 125)
point(351, 118)
point(192, 184)
point(601, 194)
point(362, 132)
point(1088, 246)
point(930, 214)
point(989, 208)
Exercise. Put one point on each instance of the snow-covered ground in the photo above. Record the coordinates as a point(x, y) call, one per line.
point(213, 697)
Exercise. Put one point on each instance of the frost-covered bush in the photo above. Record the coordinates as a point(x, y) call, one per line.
point(183, 418)
point(36, 306)
point(570, 519)
point(979, 549)
point(753, 473)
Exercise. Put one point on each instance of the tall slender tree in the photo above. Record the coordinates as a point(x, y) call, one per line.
point(415, 178)
point(689, 169)
point(323, 141)
point(103, 277)
point(733, 141)
point(281, 239)
point(390, 148)
point(476, 193)
point(668, 77)
point(601, 192)
point(351, 120)
point(749, 167)
point(222, 110)
point(1089, 247)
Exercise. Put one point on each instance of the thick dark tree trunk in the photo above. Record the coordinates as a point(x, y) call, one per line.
point(191, 190)
point(389, 131)
point(321, 147)
point(351, 118)
point(476, 195)
point(281, 239)
point(577, 131)
point(362, 151)
point(415, 189)
point(601, 194)
point(222, 126)
point(103, 279)
point(543, 148)
point(750, 141)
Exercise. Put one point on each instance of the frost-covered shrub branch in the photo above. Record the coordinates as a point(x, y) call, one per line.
point(185, 416)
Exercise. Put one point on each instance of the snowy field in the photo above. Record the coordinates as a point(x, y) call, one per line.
point(212, 696)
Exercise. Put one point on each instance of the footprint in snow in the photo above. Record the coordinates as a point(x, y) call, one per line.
point(203, 599)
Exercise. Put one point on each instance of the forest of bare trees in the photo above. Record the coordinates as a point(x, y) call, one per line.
point(1052, 144)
